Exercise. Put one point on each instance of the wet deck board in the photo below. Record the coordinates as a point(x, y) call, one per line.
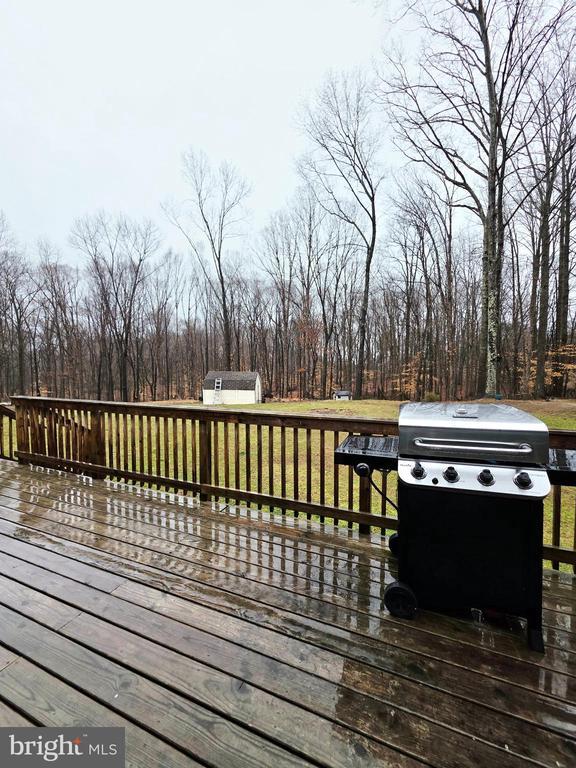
point(227, 637)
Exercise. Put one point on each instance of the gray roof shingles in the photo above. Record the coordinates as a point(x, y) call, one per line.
point(231, 379)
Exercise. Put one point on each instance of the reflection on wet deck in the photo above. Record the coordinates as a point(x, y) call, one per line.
point(223, 636)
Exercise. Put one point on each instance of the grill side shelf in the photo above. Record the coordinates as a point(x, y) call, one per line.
point(377, 452)
point(561, 467)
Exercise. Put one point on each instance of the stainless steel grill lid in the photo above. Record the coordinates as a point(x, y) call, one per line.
point(477, 431)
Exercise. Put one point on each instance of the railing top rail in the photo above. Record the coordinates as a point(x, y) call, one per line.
point(274, 418)
point(7, 410)
point(559, 438)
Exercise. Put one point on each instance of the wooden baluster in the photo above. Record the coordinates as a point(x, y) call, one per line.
point(322, 470)
point(216, 451)
point(33, 430)
point(125, 441)
point(21, 431)
point(78, 430)
point(271, 462)
point(117, 441)
point(364, 502)
point(84, 422)
point(283, 464)
point(295, 457)
point(109, 427)
point(88, 446)
point(205, 451)
point(308, 467)
point(42, 431)
point(248, 461)
point(556, 520)
point(166, 452)
point(141, 462)
point(175, 450)
point(158, 448)
point(69, 429)
point(63, 434)
point(259, 460)
point(237, 483)
point(226, 427)
point(133, 456)
point(149, 447)
point(194, 450)
point(574, 536)
point(384, 487)
point(336, 492)
point(185, 452)
point(350, 490)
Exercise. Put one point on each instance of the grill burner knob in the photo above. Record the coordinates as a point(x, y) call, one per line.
point(451, 475)
point(486, 477)
point(523, 480)
point(418, 471)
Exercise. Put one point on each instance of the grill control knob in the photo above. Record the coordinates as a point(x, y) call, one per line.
point(451, 475)
point(523, 480)
point(486, 477)
point(418, 471)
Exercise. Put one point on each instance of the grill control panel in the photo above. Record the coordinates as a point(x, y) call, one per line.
point(475, 478)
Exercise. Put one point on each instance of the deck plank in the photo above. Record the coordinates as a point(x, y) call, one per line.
point(293, 684)
point(10, 718)
point(318, 569)
point(49, 701)
point(538, 709)
point(220, 532)
point(201, 732)
point(525, 670)
point(257, 531)
point(232, 637)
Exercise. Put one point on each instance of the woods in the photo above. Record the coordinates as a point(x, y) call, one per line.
point(428, 251)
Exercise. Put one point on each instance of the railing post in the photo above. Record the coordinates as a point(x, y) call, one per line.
point(21, 432)
point(95, 449)
point(365, 502)
point(205, 456)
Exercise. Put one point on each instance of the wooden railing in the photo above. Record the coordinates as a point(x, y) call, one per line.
point(279, 462)
point(7, 432)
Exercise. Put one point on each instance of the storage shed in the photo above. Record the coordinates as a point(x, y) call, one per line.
point(342, 394)
point(231, 388)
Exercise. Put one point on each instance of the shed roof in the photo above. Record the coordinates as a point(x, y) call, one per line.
point(342, 392)
point(231, 379)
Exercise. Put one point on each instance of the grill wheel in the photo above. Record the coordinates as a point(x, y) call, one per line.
point(400, 600)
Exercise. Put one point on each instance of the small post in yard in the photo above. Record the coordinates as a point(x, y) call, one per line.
point(205, 456)
point(365, 502)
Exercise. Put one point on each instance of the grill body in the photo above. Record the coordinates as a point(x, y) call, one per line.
point(471, 484)
point(460, 551)
point(472, 479)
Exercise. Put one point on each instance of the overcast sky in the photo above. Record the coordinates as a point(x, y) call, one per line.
point(101, 97)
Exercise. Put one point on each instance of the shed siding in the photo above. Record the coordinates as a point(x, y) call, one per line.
point(234, 396)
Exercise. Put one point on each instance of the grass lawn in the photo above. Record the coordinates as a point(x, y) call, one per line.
point(557, 414)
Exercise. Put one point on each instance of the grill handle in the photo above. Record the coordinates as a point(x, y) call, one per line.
point(477, 446)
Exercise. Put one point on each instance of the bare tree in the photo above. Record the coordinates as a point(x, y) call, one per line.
point(215, 212)
point(118, 252)
point(344, 170)
point(465, 115)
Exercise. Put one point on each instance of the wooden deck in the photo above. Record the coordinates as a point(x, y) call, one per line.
point(221, 638)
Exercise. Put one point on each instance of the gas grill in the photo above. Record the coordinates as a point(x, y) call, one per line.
point(471, 485)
